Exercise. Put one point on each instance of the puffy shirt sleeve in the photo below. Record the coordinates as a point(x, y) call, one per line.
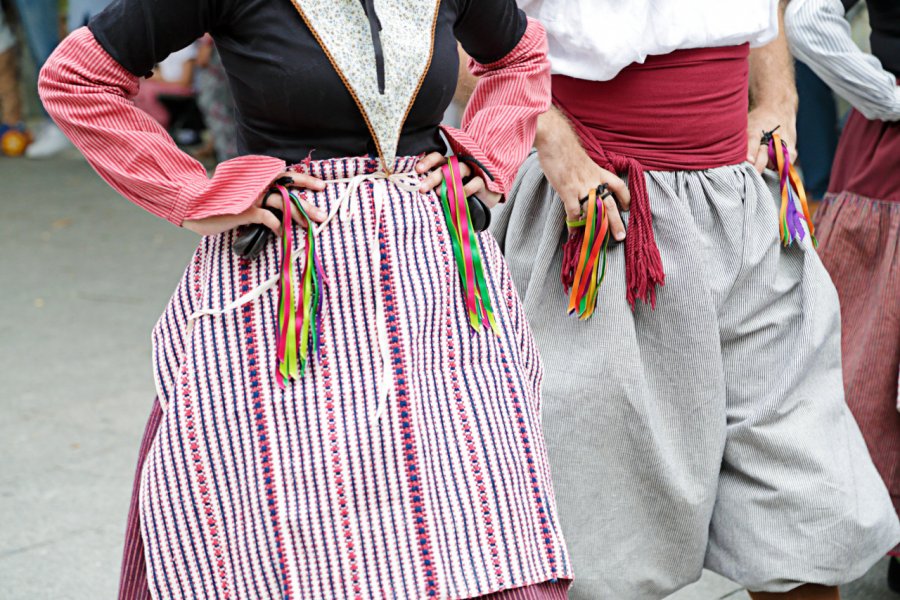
point(500, 121)
point(819, 35)
point(89, 95)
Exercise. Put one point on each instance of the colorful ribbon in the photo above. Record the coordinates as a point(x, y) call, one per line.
point(299, 310)
point(792, 193)
point(465, 248)
point(584, 256)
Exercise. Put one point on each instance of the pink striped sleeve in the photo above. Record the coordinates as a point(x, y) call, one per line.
point(500, 121)
point(89, 95)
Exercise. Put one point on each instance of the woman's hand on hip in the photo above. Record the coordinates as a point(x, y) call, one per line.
point(258, 214)
point(474, 187)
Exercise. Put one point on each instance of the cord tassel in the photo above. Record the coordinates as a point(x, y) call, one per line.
point(465, 249)
point(586, 269)
point(571, 251)
point(792, 193)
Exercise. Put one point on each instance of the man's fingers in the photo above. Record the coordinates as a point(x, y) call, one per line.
point(573, 209)
point(617, 186)
point(752, 149)
point(792, 150)
point(429, 162)
point(762, 159)
point(614, 218)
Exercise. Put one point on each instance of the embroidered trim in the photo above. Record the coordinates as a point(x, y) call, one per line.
point(343, 77)
point(384, 113)
point(437, 7)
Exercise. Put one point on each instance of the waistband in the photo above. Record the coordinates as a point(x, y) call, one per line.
point(686, 110)
point(332, 169)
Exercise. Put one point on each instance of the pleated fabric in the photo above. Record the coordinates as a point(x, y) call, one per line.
point(711, 432)
point(250, 491)
point(859, 242)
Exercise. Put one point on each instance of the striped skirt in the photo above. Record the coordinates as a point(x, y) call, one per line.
point(859, 242)
point(252, 491)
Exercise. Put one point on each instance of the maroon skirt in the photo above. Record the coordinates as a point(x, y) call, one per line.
point(133, 578)
point(859, 243)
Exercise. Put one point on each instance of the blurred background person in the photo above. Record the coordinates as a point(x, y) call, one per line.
point(81, 11)
point(859, 222)
point(215, 102)
point(40, 25)
point(817, 129)
point(173, 77)
point(13, 135)
point(820, 117)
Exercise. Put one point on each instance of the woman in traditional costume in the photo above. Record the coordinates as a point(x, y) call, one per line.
point(351, 410)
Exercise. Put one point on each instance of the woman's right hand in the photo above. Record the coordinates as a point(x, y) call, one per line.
point(257, 214)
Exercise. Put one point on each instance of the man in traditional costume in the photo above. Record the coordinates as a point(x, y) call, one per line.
point(694, 406)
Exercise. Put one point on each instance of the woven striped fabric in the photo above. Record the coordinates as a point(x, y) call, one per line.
point(250, 491)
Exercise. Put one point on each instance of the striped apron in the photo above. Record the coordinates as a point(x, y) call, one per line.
point(315, 491)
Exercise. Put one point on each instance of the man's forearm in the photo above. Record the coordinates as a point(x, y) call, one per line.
point(555, 137)
point(772, 73)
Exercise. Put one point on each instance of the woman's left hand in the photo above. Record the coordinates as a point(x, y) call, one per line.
point(475, 186)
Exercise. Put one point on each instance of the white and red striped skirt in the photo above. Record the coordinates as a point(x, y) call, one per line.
point(253, 491)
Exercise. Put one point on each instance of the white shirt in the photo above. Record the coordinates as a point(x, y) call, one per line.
point(819, 35)
point(595, 39)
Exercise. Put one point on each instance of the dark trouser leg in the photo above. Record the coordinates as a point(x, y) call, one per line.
point(816, 130)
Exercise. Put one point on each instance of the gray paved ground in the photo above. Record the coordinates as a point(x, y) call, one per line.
point(83, 277)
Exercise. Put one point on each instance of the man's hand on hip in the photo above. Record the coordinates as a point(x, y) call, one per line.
point(573, 174)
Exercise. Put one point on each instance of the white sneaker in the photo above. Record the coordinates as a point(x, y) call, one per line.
point(49, 142)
